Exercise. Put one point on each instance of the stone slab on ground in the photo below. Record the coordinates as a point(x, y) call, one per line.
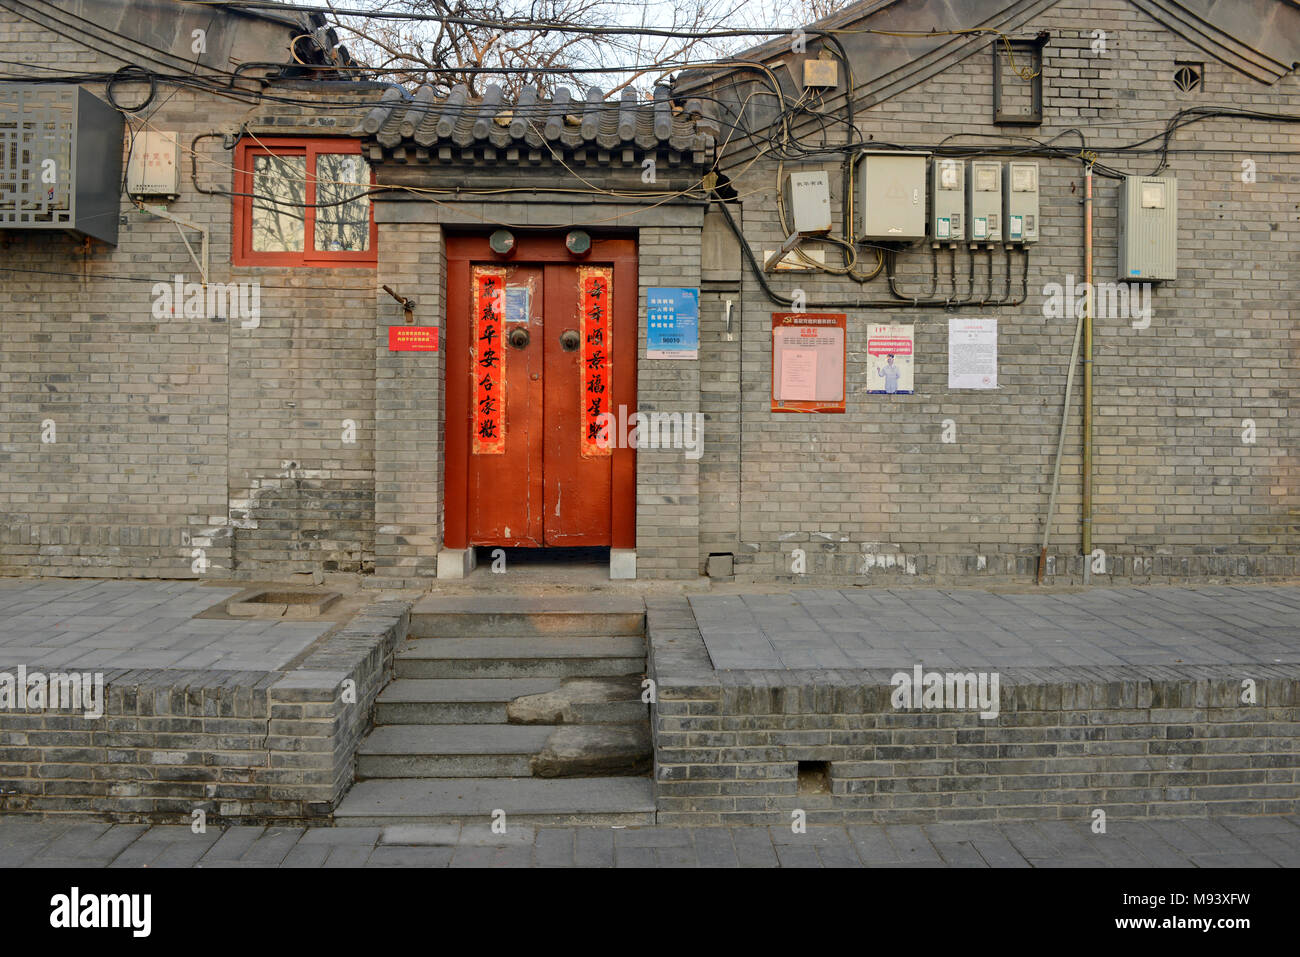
point(102, 625)
point(620, 800)
point(808, 629)
point(1268, 841)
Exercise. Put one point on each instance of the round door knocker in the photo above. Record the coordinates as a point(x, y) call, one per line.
point(569, 340)
point(518, 338)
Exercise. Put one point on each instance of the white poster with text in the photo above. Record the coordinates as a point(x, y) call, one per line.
point(972, 353)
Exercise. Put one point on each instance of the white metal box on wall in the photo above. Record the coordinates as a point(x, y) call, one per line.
point(984, 201)
point(807, 199)
point(1020, 194)
point(891, 195)
point(1148, 228)
point(948, 200)
point(152, 169)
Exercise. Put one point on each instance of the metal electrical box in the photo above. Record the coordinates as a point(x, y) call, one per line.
point(807, 198)
point(948, 200)
point(1020, 193)
point(153, 168)
point(890, 195)
point(984, 201)
point(60, 160)
point(819, 73)
point(1148, 228)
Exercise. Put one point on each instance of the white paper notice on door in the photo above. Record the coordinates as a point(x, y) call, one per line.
point(798, 374)
point(972, 353)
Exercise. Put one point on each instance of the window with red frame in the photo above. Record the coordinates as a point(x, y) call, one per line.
point(302, 202)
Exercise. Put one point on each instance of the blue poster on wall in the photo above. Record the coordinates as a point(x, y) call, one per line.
point(672, 323)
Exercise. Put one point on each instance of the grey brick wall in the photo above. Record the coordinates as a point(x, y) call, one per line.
point(409, 390)
point(668, 482)
point(182, 433)
point(1176, 492)
point(1172, 741)
point(179, 434)
point(252, 746)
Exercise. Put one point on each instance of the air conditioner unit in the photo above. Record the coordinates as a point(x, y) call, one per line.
point(60, 160)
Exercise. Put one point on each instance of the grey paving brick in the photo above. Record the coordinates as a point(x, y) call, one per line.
point(306, 855)
point(594, 848)
point(392, 856)
point(554, 847)
point(651, 837)
point(754, 847)
point(791, 855)
point(367, 836)
point(233, 843)
point(348, 855)
point(714, 847)
point(635, 856)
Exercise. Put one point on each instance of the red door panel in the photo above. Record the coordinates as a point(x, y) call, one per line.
point(578, 493)
point(536, 487)
point(505, 488)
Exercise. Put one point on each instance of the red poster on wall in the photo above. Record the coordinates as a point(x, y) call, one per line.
point(488, 367)
point(808, 352)
point(595, 305)
point(412, 338)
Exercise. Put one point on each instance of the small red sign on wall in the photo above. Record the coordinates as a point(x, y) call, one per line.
point(412, 338)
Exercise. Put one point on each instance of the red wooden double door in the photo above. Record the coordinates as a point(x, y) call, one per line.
point(541, 345)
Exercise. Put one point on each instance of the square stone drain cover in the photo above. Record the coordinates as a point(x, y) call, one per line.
point(280, 603)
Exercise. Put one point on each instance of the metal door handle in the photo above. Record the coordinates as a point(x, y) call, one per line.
point(569, 340)
point(518, 338)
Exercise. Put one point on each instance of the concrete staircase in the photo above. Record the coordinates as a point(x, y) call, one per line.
point(528, 706)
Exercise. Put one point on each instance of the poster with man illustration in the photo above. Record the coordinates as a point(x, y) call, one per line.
point(889, 359)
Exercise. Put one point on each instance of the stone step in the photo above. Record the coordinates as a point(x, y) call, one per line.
point(595, 750)
point(526, 801)
point(569, 656)
point(451, 751)
point(613, 700)
point(455, 700)
point(499, 616)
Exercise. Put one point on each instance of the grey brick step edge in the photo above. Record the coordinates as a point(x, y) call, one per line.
point(361, 650)
point(594, 801)
point(680, 663)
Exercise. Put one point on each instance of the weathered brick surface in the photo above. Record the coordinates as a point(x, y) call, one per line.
point(1176, 492)
point(1135, 742)
point(178, 434)
point(251, 746)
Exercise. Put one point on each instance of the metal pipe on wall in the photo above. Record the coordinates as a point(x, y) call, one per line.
point(1086, 519)
point(1082, 329)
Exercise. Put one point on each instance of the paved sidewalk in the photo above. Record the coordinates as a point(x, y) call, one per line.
point(970, 628)
point(92, 625)
point(1221, 842)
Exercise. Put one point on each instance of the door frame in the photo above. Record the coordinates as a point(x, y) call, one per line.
point(462, 253)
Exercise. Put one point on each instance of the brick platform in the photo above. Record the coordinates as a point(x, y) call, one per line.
point(1102, 704)
point(264, 733)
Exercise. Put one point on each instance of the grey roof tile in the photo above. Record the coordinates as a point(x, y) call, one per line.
point(561, 123)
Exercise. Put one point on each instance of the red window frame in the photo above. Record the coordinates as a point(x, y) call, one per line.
point(242, 252)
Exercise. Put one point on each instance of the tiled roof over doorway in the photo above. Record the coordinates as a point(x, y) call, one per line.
point(532, 129)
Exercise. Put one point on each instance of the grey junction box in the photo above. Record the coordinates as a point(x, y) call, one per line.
point(808, 202)
point(984, 201)
point(948, 200)
point(1020, 194)
point(1148, 228)
point(891, 195)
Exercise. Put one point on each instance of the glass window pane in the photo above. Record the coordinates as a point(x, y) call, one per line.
point(344, 227)
point(278, 229)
